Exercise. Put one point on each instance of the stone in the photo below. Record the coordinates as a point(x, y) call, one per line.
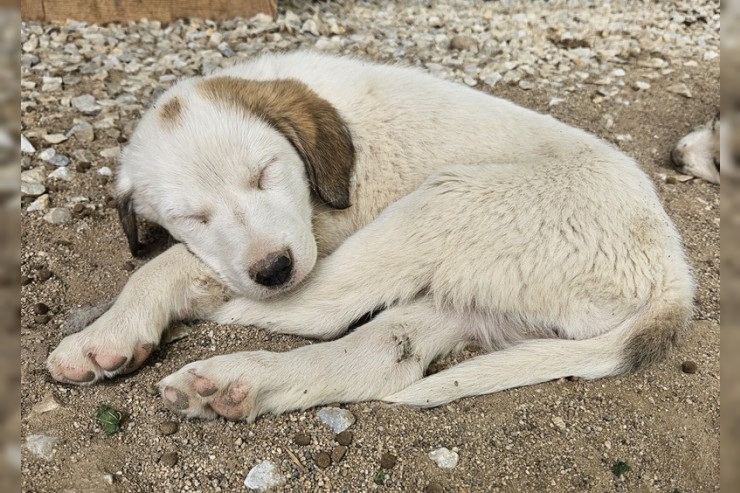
point(41, 445)
point(168, 428)
point(444, 458)
point(86, 104)
point(59, 160)
point(388, 461)
point(32, 188)
point(689, 367)
point(61, 174)
point(336, 418)
point(301, 439)
point(55, 138)
point(344, 438)
point(40, 204)
point(169, 459)
point(338, 453)
point(83, 131)
point(51, 84)
point(105, 171)
point(263, 477)
point(26, 145)
point(58, 215)
point(641, 85)
point(322, 460)
point(110, 152)
point(46, 405)
point(559, 423)
point(462, 43)
point(681, 89)
point(47, 154)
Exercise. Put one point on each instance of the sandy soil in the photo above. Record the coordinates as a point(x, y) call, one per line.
point(662, 422)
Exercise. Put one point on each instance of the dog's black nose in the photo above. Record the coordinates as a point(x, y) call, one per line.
point(273, 270)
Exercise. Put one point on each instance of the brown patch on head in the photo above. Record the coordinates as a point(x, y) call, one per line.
point(169, 113)
point(311, 124)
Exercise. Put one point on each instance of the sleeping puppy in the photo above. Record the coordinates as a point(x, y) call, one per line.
point(698, 153)
point(308, 191)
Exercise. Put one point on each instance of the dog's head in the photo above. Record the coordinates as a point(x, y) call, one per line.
point(698, 153)
point(230, 167)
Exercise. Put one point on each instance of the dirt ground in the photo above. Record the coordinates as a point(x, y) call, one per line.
point(662, 422)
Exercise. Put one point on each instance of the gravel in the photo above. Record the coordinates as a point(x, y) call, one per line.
point(638, 74)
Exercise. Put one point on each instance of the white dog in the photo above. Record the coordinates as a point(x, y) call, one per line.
point(698, 153)
point(309, 191)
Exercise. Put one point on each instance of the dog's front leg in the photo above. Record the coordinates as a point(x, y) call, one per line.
point(173, 285)
point(376, 360)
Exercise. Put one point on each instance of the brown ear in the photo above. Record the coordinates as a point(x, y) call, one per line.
point(125, 206)
point(311, 124)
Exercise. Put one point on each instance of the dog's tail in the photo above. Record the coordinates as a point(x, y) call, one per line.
point(632, 346)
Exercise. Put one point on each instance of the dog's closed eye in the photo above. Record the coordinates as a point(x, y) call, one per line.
point(200, 218)
point(264, 175)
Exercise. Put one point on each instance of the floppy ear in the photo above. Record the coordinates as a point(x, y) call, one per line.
point(125, 206)
point(311, 124)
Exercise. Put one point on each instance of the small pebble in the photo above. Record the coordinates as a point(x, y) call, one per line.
point(78, 209)
point(25, 280)
point(40, 309)
point(168, 428)
point(336, 418)
point(42, 319)
point(434, 488)
point(344, 438)
point(322, 460)
point(301, 439)
point(337, 453)
point(264, 476)
point(82, 167)
point(43, 274)
point(462, 43)
point(128, 266)
point(168, 459)
point(58, 215)
point(152, 390)
point(445, 458)
point(689, 367)
point(388, 461)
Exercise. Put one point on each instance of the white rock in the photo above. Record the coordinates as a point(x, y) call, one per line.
point(444, 457)
point(263, 477)
point(105, 171)
point(492, 79)
point(59, 160)
point(335, 418)
point(559, 422)
point(710, 55)
point(110, 152)
point(26, 145)
point(641, 85)
point(83, 131)
point(32, 188)
point(681, 89)
point(555, 102)
point(526, 84)
point(55, 138)
point(47, 154)
point(41, 445)
point(61, 174)
point(40, 204)
point(51, 84)
point(46, 405)
point(58, 215)
point(37, 175)
point(86, 104)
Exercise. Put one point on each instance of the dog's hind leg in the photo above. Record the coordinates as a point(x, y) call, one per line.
point(173, 285)
point(379, 358)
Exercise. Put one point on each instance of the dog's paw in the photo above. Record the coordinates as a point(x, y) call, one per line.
point(220, 386)
point(103, 350)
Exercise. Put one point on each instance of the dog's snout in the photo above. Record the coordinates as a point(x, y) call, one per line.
point(273, 270)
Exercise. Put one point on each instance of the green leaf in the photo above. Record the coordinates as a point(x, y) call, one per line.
point(109, 418)
point(620, 468)
point(379, 477)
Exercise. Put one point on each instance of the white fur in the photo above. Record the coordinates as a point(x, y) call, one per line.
point(698, 153)
point(472, 219)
